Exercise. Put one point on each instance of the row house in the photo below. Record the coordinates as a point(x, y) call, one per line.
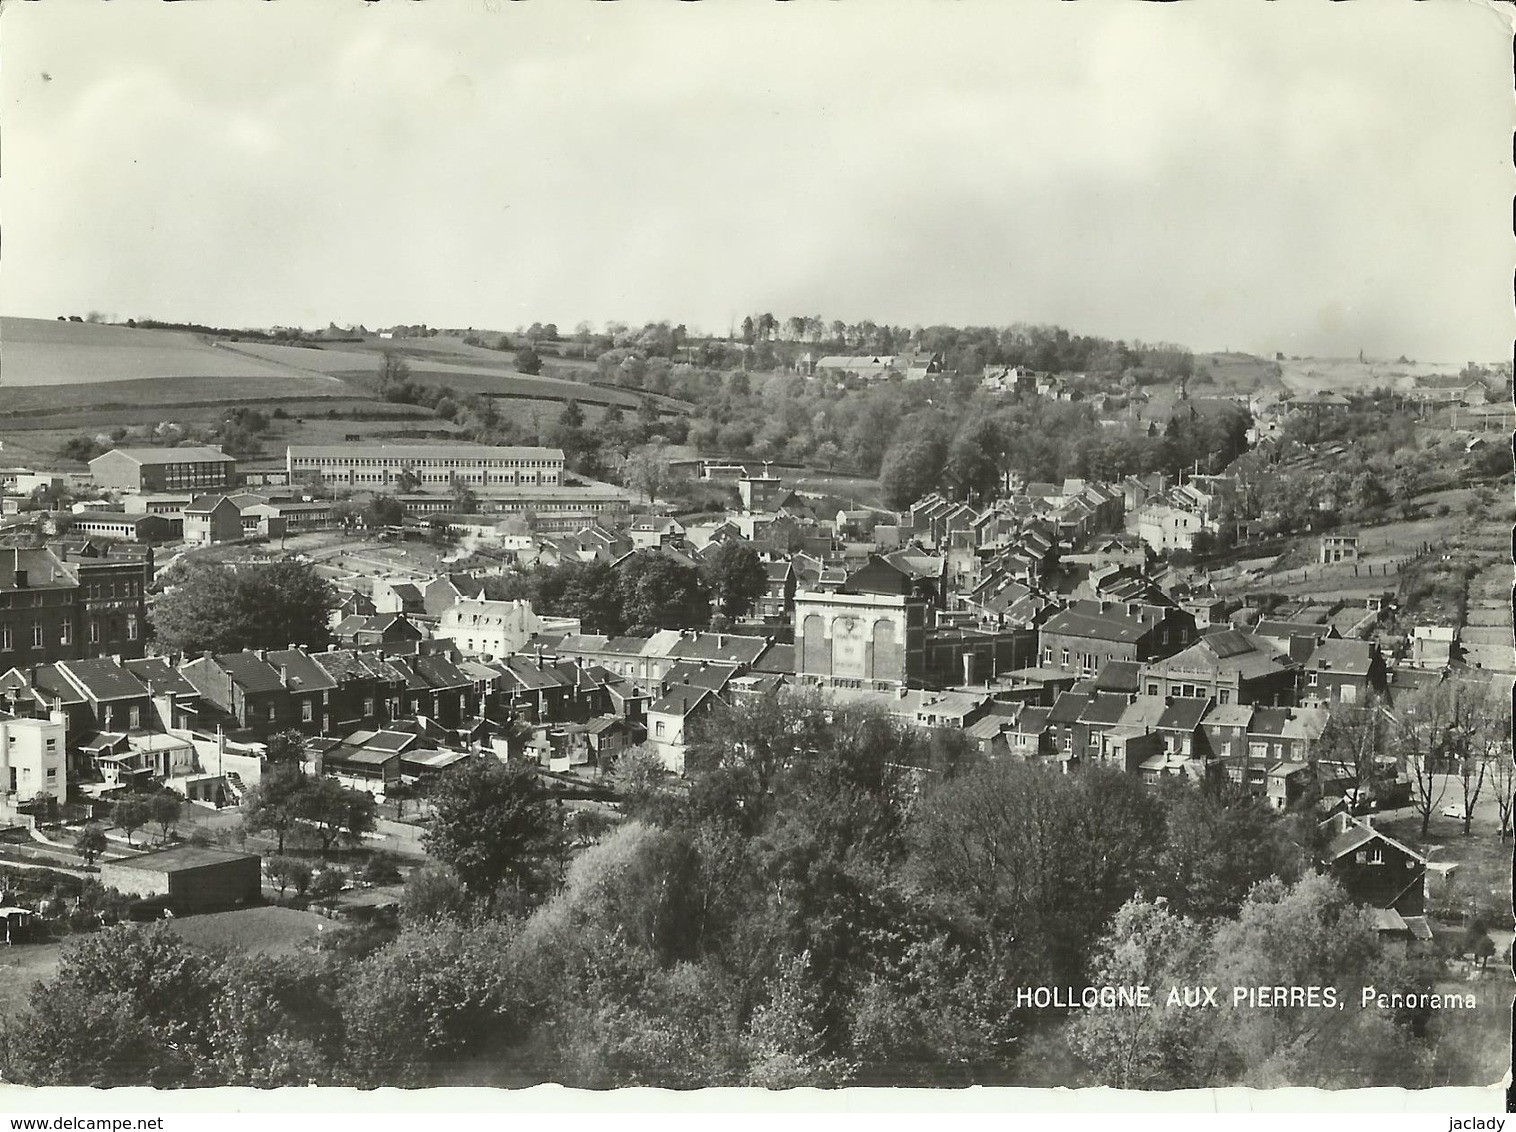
point(52, 609)
point(776, 606)
point(1088, 635)
point(1231, 666)
point(933, 519)
point(375, 630)
point(1343, 672)
point(254, 693)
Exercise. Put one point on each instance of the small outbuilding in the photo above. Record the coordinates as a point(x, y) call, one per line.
point(193, 878)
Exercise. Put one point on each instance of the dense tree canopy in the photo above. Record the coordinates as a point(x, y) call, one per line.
point(208, 607)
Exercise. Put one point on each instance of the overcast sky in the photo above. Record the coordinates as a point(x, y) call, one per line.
point(1302, 176)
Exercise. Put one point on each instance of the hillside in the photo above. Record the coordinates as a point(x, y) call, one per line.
point(51, 371)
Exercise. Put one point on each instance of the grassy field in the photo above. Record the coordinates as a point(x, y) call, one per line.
point(267, 930)
point(109, 400)
point(36, 352)
point(1304, 376)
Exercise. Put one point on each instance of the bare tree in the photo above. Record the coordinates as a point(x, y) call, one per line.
point(1503, 783)
point(1420, 740)
point(1479, 729)
point(1352, 750)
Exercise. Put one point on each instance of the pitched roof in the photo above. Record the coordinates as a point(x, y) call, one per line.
point(681, 700)
point(43, 569)
point(162, 677)
point(186, 455)
point(1119, 676)
point(103, 679)
point(726, 648)
point(248, 672)
point(1121, 628)
point(1068, 707)
point(1104, 709)
point(1354, 658)
point(1182, 713)
point(305, 674)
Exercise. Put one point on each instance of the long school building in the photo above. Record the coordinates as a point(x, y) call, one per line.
point(434, 465)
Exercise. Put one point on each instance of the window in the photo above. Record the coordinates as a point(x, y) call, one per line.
point(131, 627)
point(271, 711)
point(1376, 856)
point(7, 641)
point(94, 631)
point(368, 707)
point(1068, 744)
point(134, 717)
point(1065, 658)
point(306, 711)
point(658, 728)
point(66, 634)
point(1311, 679)
point(1224, 696)
point(1152, 688)
point(36, 634)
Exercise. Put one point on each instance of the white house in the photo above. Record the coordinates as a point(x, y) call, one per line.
point(32, 758)
point(497, 628)
point(1164, 527)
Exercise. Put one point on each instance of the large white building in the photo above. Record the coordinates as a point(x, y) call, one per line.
point(434, 465)
point(32, 758)
point(497, 628)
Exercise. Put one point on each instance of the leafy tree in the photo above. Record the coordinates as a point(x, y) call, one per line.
point(495, 825)
point(288, 871)
point(212, 608)
point(274, 804)
point(426, 1000)
point(1303, 935)
point(465, 499)
point(1034, 863)
point(1215, 849)
point(130, 815)
point(640, 779)
point(433, 893)
point(165, 809)
point(736, 579)
point(646, 469)
point(913, 466)
point(276, 1023)
point(91, 843)
point(285, 748)
point(326, 886)
point(408, 480)
point(384, 511)
point(1167, 1045)
point(334, 812)
point(528, 361)
point(128, 1006)
point(659, 592)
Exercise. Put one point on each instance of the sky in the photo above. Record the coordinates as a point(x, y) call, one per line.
point(1306, 177)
